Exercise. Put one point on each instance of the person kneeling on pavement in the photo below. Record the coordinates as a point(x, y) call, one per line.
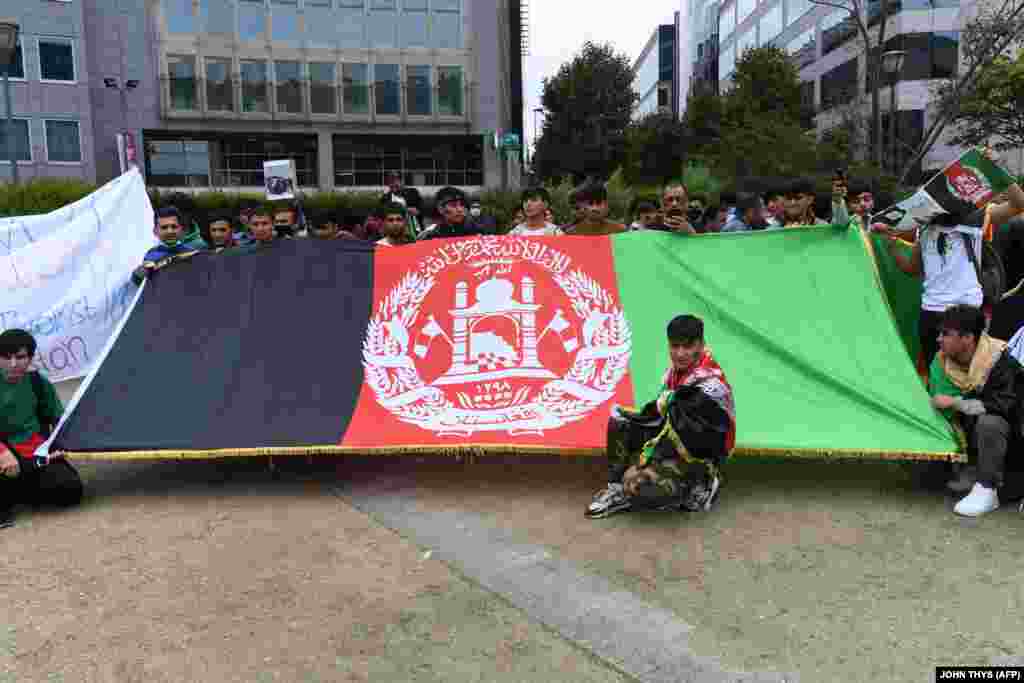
point(974, 380)
point(668, 456)
point(29, 410)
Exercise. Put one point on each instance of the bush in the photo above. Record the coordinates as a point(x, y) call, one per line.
point(41, 195)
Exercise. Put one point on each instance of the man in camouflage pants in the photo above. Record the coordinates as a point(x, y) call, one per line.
point(668, 455)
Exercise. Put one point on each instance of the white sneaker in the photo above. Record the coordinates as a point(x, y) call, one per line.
point(979, 501)
point(608, 501)
point(966, 478)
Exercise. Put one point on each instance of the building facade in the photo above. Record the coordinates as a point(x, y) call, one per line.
point(828, 51)
point(654, 74)
point(349, 89)
point(52, 120)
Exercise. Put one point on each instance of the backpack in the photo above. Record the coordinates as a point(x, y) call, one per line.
point(990, 272)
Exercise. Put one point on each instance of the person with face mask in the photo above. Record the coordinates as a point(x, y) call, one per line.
point(476, 214)
point(451, 205)
point(29, 411)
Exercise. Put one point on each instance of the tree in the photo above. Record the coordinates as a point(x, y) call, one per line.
point(994, 108)
point(656, 147)
point(766, 83)
point(588, 104)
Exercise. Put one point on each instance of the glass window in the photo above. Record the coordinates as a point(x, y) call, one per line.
point(22, 142)
point(839, 85)
point(178, 163)
point(321, 88)
point(289, 87)
point(414, 23)
point(356, 79)
point(56, 59)
point(383, 4)
point(727, 21)
point(252, 20)
point(62, 143)
point(318, 3)
point(179, 16)
point(447, 5)
point(447, 30)
point(726, 63)
point(385, 89)
point(321, 27)
point(284, 21)
point(219, 87)
point(449, 90)
point(181, 72)
point(417, 89)
point(744, 9)
point(770, 24)
point(218, 16)
point(382, 28)
point(351, 25)
point(804, 48)
point(17, 66)
point(836, 29)
point(796, 9)
point(945, 54)
point(254, 86)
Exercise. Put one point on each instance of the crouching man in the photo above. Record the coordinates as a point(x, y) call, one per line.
point(974, 380)
point(29, 409)
point(668, 455)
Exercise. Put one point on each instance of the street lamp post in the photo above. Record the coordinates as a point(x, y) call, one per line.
point(122, 89)
point(892, 64)
point(8, 46)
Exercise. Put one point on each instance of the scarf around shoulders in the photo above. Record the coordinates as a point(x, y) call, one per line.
point(985, 356)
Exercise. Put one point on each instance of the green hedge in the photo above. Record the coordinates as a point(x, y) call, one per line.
point(41, 195)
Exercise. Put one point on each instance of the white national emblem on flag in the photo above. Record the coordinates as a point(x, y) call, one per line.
point(493, 377)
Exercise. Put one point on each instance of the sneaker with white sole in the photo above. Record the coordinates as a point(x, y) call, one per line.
point(703, 496)
point(965, 479)
point(608, 501)
point(981, 500)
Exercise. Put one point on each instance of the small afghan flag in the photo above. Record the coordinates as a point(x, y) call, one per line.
point(966, 185)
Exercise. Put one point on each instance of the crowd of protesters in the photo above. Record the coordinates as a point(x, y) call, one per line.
point(974, 378)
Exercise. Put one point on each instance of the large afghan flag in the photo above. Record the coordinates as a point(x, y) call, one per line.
point(502, 344)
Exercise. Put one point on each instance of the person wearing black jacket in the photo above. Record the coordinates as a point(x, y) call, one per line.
point(974, 379)
point(409, 197)
point(451, 205)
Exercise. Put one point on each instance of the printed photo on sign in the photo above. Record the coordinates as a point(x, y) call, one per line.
point(279, 179)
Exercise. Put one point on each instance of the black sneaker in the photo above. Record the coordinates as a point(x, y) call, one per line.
point(6, 518)
point(702, 497)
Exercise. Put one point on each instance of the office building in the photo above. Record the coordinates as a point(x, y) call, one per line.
point(52, 120)
point(829, 53)
point(349, 89)
point(654, 73)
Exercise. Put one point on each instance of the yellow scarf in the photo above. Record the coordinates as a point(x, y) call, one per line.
point(985, 356)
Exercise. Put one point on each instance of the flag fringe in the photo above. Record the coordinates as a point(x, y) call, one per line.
point(473, 451)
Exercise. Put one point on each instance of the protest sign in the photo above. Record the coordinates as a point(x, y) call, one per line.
point(65, 275)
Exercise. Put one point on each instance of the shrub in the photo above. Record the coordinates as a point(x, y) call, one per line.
point(41, 195)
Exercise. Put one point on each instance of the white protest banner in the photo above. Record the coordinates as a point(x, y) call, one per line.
point(65, 275)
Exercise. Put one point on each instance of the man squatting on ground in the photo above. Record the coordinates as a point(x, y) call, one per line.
point(668, 455)
point(974, 381)
point(29, 410)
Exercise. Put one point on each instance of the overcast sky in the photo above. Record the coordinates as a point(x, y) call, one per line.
point(558, 28)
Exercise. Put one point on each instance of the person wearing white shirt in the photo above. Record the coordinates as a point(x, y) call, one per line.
point(535, 202)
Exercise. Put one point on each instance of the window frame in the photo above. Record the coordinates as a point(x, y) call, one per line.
point(308, 73)
point(375, 102)
point(268, 85)
point(367, 85)
point(46, 143)
point(31, 152)
point(74, 58)
point(23, 78)
point(196, 80)
point(439, 69)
